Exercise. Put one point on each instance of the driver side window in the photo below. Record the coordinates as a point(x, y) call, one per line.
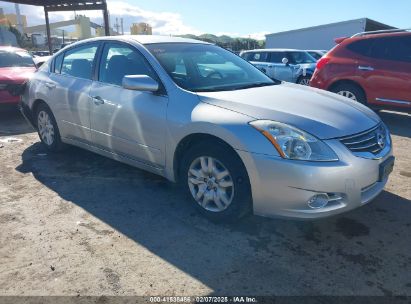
point(119, 60)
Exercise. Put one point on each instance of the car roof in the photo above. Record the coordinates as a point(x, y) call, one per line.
point(380, 35)
point(150, 39)
point(144, 39)
point(275, 50)
point(11, 49)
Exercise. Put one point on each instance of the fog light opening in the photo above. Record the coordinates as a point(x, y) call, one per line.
point(318, 201)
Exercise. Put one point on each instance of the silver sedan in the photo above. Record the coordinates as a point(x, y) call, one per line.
point(236, 140)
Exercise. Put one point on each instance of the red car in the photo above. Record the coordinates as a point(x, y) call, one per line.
point(16, 66)
point(373, 68)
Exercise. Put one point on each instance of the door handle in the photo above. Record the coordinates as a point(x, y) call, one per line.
point(98, 100)
point(365, 68)
point(50, 85)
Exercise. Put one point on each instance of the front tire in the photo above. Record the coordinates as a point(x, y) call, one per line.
point(215, 179)
point(47, 129)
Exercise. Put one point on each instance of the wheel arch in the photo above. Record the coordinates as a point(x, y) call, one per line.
point(36, 103)
point(192, 139)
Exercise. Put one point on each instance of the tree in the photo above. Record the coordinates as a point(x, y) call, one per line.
point(235, 44)
point(22, 40)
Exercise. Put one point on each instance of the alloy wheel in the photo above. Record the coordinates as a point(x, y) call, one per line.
point(347, 94)
point(46, 128)
point(211, 184)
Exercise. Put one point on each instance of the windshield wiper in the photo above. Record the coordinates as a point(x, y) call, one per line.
point(234, 88)
point(255, 85)
point(213, 89)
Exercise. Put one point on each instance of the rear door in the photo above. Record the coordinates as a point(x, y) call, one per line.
point(68, 90)
point(389, 78)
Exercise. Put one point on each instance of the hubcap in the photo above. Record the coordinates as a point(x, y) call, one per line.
point(210, 184)
point(347, 94)
point(45, 127)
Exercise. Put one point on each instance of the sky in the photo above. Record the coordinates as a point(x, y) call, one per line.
point(239, 18)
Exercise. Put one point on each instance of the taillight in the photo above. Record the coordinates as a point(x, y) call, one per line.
point(322, 62)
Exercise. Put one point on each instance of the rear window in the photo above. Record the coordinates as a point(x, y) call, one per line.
point(78, 62)
point(58, 62)
point(15, 59)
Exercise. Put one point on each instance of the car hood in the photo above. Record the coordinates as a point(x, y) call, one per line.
point(16, 75)
point(320, 113)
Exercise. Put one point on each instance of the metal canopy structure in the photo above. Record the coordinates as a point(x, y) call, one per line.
point(67, 5)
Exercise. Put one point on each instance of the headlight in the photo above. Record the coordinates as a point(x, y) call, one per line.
point(292, 143)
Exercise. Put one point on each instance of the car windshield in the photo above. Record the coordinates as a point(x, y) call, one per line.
point(207, 68)
point(300, 58)
point(15, 59)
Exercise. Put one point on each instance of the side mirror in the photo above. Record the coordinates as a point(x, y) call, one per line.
point(140, 83)
point(285, 61)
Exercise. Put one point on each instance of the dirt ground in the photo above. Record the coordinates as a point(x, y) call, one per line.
point(80, 224)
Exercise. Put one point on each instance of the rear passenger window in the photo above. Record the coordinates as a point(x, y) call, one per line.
point(361, 47)
point(57, 63)
point(78, 62)
point(277, 57)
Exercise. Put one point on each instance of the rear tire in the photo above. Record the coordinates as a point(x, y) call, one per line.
point(216, 181)
point(350, 91)
point(47, 129)
point(304, 80)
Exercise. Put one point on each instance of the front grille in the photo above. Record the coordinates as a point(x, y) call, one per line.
point(372, 141)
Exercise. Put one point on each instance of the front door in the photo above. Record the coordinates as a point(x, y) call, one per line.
point(278, 69)
point(126, 122)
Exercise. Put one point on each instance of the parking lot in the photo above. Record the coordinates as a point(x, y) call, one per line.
point(76, 223)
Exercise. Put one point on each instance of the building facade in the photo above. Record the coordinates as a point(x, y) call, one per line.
point(141, 29)
point(322, 37)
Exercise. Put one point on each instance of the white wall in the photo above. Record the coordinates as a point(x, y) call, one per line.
point(316, 38)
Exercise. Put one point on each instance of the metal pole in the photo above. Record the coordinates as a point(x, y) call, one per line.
point(46, 14)
point(19, 24)
point(106, 22)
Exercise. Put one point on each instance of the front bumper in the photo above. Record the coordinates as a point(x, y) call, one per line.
point(7, 98)
point(283, 187)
